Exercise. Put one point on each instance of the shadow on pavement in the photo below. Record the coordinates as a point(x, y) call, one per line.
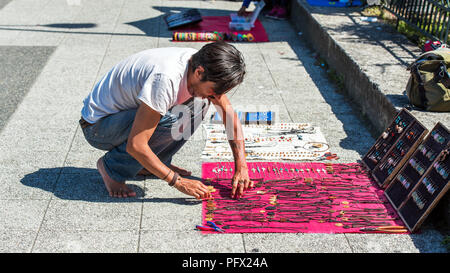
point(57, 25)
point(20, 66)
point(86, 184)
point(4, 3)
point(149, 26)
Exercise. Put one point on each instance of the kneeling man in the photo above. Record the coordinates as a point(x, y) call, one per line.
point(146, 107)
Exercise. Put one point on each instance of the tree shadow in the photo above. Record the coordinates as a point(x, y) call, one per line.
point(4, 3)
point(70, 25)
point(57, 25)
point(151, 27)
point(399, 100)
point(84, 184)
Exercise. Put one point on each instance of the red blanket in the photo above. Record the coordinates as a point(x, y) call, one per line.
point(297, 197)
point(220, 24)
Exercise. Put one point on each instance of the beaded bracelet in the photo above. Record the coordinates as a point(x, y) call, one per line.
point(174, 179)
point(166, 175)
point(212, 36)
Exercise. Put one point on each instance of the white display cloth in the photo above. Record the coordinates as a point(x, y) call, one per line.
point(282, 141)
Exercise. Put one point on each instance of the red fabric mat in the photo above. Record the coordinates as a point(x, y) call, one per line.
point(297, 197)
point(220, 24)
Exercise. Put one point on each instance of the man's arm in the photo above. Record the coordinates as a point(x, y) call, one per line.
point(233, 127)
point(245, 4)
point(143, 128)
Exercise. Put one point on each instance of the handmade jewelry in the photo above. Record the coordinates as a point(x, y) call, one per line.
point(429, 185)
point(437, 137)
point(212, 36)
point(441, 170)
point(286, 200)
point(418, 199)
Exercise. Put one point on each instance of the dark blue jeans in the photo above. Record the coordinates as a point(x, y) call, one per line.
point(111, 133)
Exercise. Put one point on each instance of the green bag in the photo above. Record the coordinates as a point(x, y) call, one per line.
point(429, 85)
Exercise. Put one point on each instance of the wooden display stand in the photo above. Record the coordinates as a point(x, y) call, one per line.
point(423, 180)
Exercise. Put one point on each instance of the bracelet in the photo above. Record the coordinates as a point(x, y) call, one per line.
point(174, 179)
point(166, 175)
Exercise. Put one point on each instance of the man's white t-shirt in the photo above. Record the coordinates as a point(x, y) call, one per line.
point(157, 77)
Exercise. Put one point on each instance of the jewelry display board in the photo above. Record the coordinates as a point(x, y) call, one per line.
point(423, 180)
point(399, 154)
point(394, 147)
point(387, 139)
point(305, 197)
point(283, 141)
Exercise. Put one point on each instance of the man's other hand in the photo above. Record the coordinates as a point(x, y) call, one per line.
point(240, 182)
point(193, 188)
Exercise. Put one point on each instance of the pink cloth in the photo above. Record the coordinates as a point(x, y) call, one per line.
point(220, 24)
point(312, 184)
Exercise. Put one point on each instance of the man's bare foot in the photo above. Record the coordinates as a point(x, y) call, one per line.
point(115, 189)
point(174, 168)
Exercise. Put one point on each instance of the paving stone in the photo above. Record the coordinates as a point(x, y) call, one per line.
point(93, 215)
point(295, 243)
point(189, 242)
point(16, 241)
point(62, 241)
point(22, 215)
point(382, 243)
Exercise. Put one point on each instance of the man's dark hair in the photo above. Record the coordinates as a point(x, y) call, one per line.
point(223, 63)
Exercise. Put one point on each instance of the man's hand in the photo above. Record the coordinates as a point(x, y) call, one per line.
point(240, 182)
point(233, 127)
point(193, 187)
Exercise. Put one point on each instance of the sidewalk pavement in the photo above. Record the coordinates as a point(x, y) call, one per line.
point(53, 199)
